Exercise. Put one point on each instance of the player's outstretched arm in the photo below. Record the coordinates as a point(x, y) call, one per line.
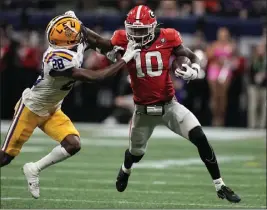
point(90, 75)
point(86, 75)
point(93, 38)
point(97, 41)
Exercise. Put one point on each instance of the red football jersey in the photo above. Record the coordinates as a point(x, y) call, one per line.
point(149, 71)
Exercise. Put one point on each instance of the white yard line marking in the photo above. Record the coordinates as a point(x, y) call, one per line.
point(113, 190)
point(132, 202)
point(29, 149)
point(109, 167)
point(189, 161)
point(159, 182)
point(106, 181)
point(113, 173)
point(85, 142)
point(181, 174)
point(96, 130)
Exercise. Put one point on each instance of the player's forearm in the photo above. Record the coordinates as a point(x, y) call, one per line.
point(89, 75)
point(192, 56)
point(97, 41)
point(185, 51)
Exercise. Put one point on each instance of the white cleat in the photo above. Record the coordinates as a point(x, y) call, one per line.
point(31, 173)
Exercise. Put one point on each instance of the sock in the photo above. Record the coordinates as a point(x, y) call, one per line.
point(128, 160)
point(209, 158)
point(58, 154)
point(127, 171)
point(206, 153)
point(218, 183)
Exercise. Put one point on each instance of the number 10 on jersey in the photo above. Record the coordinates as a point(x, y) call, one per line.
point(148, 62)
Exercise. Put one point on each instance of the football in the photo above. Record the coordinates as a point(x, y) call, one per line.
point(178, 61)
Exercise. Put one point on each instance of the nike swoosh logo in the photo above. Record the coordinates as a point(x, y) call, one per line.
point(158, 46)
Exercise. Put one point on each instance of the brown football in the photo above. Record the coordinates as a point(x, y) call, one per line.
point(178, 61)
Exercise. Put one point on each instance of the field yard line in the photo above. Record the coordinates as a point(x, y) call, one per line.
point(188, 161)
point(113, 167)
point(30, 149)
point(134, 202)
point(154, 174)
point(85, 142)
point(113, 173)
point(121, 131)
point(133, 182)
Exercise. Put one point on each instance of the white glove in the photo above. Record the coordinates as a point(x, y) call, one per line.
point(112, 55)
point(130, 51)
point(190, 73)
point(71, 13)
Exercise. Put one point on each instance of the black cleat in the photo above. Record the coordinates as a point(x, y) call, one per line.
point(226, 192)
point(122, 180)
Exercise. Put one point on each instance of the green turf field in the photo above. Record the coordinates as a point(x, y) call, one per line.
point(170, 176)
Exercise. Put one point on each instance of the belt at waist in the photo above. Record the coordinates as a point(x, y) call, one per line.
point(160, 103)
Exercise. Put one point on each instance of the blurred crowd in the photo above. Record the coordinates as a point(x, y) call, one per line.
point(166, 8)
point(229, 82)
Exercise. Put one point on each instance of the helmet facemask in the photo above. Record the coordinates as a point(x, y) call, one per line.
point(142, 34)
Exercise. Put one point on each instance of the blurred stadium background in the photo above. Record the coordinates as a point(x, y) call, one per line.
point(101, 109)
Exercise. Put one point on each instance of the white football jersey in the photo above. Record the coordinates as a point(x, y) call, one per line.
point(47, 94)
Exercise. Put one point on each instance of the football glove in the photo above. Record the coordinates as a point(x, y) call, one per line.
point(132, 49)
point(190, 73)
point(112, 55)
point(71, 13)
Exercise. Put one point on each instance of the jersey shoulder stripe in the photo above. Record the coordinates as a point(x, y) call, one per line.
point(61, 54)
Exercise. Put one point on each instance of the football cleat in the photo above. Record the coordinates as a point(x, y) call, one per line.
point(226, 192)
point(32, 175)
point(122, 180)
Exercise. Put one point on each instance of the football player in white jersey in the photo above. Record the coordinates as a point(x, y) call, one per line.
point(40, 106)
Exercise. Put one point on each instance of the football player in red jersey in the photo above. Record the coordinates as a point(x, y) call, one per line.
point(154, 93)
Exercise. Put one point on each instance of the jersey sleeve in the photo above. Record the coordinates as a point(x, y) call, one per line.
point(119, 38)
point(174, 36)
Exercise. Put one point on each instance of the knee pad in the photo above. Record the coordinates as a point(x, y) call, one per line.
point(197, 136)
point(5, 158)
point(134, 158)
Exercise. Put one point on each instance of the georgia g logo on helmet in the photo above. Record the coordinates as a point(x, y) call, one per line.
point(140, 25)
point(64, 31)
point(152, 15)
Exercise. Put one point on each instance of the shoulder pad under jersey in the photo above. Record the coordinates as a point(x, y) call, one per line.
point(119, 38)
point(59, 60)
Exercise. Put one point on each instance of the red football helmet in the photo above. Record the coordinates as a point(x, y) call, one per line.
point(140, 24)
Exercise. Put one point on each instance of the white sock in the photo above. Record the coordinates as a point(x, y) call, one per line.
point(218, 183)
point(127, 171)
point(58, 154)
